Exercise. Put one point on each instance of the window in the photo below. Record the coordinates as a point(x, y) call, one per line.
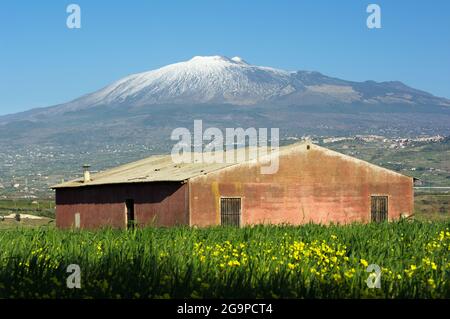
point(379, 208)
point(230, 211)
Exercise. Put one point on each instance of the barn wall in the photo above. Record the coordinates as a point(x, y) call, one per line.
point(162, 204)
point(315, 185)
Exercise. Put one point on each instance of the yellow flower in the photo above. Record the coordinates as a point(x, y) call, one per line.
point(364, 262)
point(337, 277)
point(291, 266)
point(409, 272)
point(232, 263)
point(314, 271)
point(348, 274)
point(426, 261)
point(431, 283)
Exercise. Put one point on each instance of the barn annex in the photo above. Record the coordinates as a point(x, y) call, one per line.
point(312, 184)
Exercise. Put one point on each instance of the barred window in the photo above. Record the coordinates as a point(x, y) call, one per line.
point(230, 211)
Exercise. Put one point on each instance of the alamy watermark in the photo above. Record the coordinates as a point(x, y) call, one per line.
point(74, 279)
point(374, 279)
point(73, 21)
point(374, 19)
point(208, 146)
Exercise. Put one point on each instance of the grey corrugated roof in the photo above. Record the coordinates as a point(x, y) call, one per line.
point(157, 168)
point(161, 168)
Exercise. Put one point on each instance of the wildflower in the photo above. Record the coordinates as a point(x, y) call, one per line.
point(314, 271)
point(431, 283)
point(426, 261)
point(348, 274)
point(409, 272)
point(337, 277)
point(232, 263)
point(364, 262)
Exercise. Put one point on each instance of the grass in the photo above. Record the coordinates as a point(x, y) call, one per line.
point(310, 261)
point(26, 223)
point(41, 207)
point(432, 206)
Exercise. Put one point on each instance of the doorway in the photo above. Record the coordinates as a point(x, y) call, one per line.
point(129, 204)
point(379, 208)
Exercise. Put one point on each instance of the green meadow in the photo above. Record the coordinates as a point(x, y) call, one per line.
point(310, 261)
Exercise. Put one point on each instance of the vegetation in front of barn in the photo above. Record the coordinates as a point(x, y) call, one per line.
point(310, 261)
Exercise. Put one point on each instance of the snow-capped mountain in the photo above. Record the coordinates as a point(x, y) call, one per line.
point(202, 79)
point(221, 80)
point(228, 92)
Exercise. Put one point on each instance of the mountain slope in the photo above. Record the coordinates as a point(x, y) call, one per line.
point(212, 79)
point(228, 92)
point(220, 80)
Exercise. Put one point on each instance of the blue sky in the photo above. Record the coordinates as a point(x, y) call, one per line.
point(43, 63)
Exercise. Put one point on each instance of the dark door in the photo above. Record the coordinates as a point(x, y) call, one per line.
point(230, 211)
point(129, 203)
point(379, 208)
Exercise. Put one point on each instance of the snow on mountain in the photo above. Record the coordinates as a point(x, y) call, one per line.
point(221, 80)
point(202, 79)
point(153, 102)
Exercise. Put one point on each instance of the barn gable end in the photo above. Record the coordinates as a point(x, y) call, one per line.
point(313, 184)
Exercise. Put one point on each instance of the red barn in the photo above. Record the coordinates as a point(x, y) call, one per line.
point(312, 184)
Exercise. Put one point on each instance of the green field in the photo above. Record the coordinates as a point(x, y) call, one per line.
point(310, 261)
point(432, 207)
point(41, 207)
